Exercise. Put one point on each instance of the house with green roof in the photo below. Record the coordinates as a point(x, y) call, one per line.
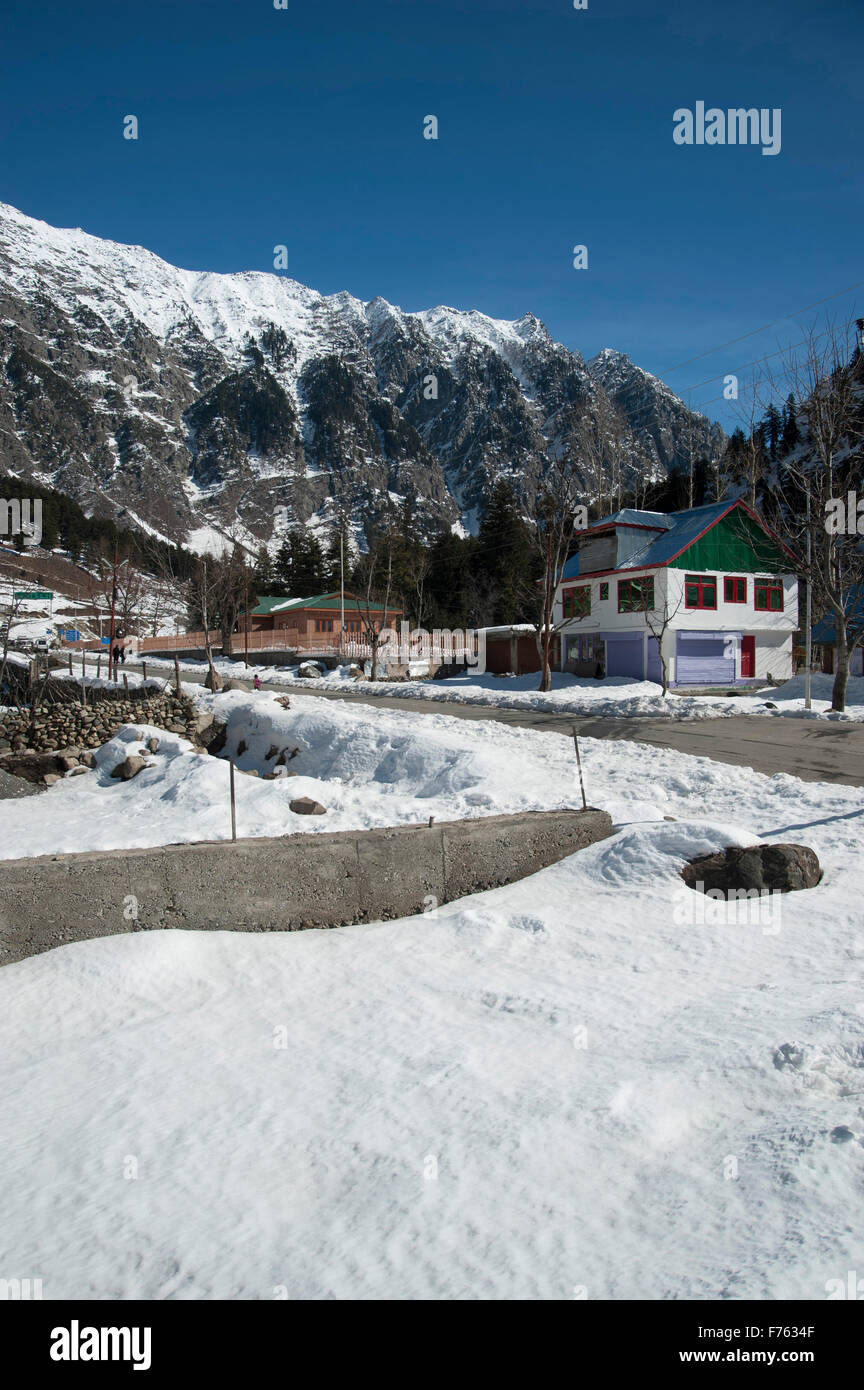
point(316, 622)
point(710, 590)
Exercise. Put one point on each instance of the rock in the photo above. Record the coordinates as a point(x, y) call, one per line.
point(214, 737)
point(87, 759)
point(152, 745)
point(66, 763)
point(842, 1134)
point(769, 705)
point(248, 771)
point(284, 701)
point(50, 778)
point(76, 771)
point(129, 768)
point(310, 670)
point(779, 868)
point(177, 729)
point(213, 680)
point(305, 806)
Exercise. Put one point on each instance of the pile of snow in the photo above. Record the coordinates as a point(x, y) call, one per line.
point(616, 697)
point(554, 1089)
point(367, 767)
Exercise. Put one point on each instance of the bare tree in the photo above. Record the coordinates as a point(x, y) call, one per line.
point(554, 517)
point(827, 372)
point(378, 585)
point(658, 621)
point(751, 406)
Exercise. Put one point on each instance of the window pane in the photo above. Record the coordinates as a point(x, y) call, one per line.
point(777, 599)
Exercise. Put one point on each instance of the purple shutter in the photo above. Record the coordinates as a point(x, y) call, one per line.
point(654, 670)
point(624, 654)
point(702, 659)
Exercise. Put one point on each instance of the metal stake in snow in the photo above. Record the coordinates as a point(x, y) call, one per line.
point(233, 806)
point(579, 764)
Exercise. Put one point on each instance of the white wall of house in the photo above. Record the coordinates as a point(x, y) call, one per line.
point(734, 617)
point(773, 629)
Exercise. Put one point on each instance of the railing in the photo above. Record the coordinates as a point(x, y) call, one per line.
point(444, 650)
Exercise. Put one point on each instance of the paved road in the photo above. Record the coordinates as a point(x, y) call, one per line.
point(815, 752)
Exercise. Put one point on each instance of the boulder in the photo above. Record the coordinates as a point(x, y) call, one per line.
point(305, 806)
point(152, 745)
point(129, 768)
point(777, 868)
point(310, 670)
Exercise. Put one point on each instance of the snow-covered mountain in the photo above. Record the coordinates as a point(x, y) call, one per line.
point(198, 400)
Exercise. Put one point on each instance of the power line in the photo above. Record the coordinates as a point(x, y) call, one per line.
point(763, 329)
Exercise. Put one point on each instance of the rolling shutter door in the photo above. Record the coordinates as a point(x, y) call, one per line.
point(623, 654)
point(705, 658)
point(654, 670)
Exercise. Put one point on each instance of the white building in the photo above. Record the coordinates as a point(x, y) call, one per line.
point(712, 589)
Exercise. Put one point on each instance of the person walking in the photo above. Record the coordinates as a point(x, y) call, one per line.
point(256, 682)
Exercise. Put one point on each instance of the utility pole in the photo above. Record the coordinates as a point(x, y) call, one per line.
point(808, 636)
point(246, 606)
point(342, 583)
point(112, 665)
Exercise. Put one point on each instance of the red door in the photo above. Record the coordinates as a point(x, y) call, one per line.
point(748, 657)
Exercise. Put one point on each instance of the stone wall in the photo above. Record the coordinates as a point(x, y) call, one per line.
point(28, 740)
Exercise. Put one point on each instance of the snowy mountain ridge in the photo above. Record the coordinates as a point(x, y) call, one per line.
point(196, 399)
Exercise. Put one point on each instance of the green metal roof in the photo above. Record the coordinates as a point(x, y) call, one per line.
point(269, 604)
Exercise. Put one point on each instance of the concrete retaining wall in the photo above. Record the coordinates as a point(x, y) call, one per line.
point(285, 884)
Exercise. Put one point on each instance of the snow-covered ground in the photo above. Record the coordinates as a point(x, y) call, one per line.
point(570, 1084)
point(617, 697)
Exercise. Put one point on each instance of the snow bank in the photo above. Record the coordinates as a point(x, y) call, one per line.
point(545, 1088)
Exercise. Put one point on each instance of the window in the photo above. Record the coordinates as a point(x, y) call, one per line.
point(323, 624)
point(604, 591)
point(577, 602)
point(700, 591)
point(636, 595)
point(768, 595)
point(735, 590)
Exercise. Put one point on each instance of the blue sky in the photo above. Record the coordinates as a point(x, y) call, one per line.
point(304, 126)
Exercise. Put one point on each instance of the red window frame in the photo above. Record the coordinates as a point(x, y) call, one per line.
point(699, 582)
point(645, 599)
point(573, 607)
point(766, 589)
point(734, 590)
